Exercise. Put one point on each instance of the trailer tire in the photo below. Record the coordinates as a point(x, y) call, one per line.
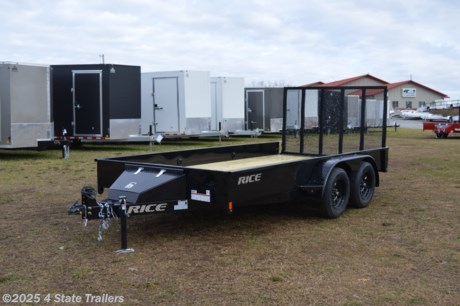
point(362, 185)
point(336, 194)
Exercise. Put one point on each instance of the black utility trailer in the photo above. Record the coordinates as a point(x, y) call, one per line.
point(335, 165)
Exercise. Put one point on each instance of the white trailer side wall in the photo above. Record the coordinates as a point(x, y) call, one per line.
point(146, 102)
point(182, 102)
point(227, 100)
point(196, 101)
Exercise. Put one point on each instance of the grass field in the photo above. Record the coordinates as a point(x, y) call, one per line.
point(402, 250)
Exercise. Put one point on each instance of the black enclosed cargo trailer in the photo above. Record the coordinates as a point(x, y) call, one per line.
point(96, 101)
point(335, 165)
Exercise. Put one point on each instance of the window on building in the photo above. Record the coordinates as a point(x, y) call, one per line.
point(408, 104)
point(421, 103)
point(395, 104)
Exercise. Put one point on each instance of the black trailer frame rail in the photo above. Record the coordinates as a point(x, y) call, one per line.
point(229, 177)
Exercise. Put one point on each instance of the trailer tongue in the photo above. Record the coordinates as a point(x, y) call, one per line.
point(330, 160)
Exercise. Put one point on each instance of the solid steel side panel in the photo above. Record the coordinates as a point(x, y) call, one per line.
point(108, 169)
point(274, 184)
point(87, 102)
point(166, 104)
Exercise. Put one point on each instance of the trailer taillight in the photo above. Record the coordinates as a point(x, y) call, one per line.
point(230, 206)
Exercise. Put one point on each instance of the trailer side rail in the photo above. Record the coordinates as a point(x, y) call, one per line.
point(328, 120)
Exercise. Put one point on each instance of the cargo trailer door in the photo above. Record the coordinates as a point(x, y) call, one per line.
point(255, 109)
point(87, 102)
point(166, 104)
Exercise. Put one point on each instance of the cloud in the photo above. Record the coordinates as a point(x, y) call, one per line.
point(293, 41)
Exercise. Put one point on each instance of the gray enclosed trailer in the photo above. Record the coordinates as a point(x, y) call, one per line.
point(25, 114)
point(264, 108)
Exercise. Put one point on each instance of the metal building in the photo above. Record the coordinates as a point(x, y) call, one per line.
point(402, 95)
point(25, 114)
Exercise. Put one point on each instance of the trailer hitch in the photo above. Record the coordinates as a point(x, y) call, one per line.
point(104, 210)
point(88, 196)
point(75, 209)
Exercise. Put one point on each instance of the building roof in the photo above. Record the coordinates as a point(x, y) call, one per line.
point(349, 80)
point(319, 83)
point(373, 92)
point(344, 82)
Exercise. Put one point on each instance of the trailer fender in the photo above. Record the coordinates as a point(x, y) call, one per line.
point(349, 164)
point(314, 180)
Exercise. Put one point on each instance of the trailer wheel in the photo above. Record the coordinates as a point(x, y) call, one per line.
point(362, 186)
point(336, 194)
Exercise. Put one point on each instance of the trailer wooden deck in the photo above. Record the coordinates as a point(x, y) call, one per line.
point(248, 163)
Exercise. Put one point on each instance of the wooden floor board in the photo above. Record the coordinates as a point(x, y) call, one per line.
point(252, 162)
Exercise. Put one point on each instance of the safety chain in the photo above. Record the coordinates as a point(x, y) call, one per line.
point(105, 212)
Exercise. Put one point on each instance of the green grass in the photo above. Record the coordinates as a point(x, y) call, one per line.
point(401, 250)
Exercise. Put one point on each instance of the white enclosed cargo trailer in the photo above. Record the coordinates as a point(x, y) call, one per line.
point(176, 103)
point(25, 110)
point(227, 104)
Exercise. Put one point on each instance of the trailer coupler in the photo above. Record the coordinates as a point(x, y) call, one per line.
point(91, 209)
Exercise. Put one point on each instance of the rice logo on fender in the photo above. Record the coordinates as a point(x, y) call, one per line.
point(247, 179)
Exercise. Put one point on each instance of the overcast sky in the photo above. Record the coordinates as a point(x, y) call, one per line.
point(290, 41)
